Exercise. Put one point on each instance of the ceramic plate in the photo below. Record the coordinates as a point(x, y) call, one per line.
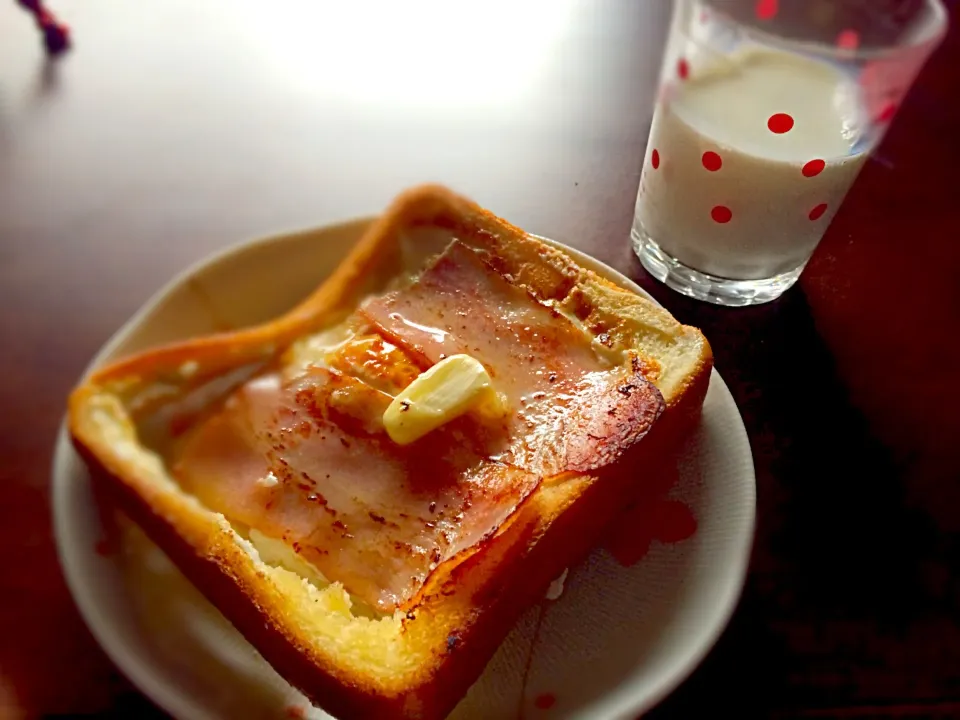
point(621, 636)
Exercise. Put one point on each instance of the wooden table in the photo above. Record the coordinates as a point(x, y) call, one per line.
point(176, 128)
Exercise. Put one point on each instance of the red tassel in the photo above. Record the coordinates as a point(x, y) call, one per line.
point(56, 35)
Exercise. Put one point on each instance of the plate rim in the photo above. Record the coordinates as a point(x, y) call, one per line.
point(178, 703)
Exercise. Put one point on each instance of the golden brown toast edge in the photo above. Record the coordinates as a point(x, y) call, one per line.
point(465, 612)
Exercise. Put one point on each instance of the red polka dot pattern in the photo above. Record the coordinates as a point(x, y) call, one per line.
point(683, 68)
point(767, 9)
point(848, 40)
point(780, 123)
point(813, 168)
point(721, 214)
point(711, 161)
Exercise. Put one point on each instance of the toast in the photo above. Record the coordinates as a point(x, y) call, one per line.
point(363, 629)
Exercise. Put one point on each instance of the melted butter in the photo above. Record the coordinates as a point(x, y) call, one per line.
point(375, 362)
point(437, 334)
point(314, 349)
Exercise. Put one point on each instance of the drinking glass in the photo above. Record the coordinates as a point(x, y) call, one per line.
point(766, 112)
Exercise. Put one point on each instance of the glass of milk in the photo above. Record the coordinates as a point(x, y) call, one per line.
point(765, 114)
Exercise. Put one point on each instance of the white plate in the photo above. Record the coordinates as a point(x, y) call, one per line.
point(616, 642)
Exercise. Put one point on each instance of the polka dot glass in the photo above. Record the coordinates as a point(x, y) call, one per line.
point(766, 112)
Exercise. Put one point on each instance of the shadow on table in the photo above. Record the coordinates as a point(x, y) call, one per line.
point(848, 577)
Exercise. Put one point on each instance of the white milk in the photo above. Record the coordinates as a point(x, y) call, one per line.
point(757, 203)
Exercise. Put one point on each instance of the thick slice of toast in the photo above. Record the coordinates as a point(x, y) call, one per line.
point(419, 659)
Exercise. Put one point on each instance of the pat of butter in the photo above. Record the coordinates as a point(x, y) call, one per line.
point(446, 391)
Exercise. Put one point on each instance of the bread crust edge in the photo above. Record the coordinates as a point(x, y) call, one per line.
point(466, 610)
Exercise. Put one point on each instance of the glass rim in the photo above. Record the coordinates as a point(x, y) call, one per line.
point(931, 36)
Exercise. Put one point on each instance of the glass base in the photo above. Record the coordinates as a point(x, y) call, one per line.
point(693, 283)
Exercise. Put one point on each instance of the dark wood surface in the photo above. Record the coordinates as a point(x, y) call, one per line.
point(176, 128)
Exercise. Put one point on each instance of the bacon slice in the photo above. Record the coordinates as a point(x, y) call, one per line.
point(573, 412)
point(379, 517)
point(460, 305)
point(366, 512)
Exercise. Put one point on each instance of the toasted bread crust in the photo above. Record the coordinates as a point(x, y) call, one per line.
point(469, 603)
